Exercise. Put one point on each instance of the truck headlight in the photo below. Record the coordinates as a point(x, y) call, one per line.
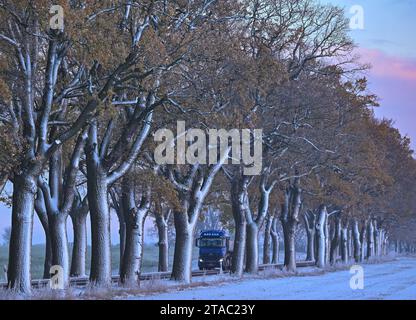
point(221, 260)
point(200, 260)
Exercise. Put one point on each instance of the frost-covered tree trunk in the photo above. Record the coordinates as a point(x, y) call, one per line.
point(267, 239)
point(370, 239)
point(344, 244)
point(239, 198)
point(363, 240)
point(386, 245)
point(182, 259)
point(97, 189)
point(309, 219)
point(100, 221)
point(79, 249)
point(25, 188)
point(320, 236)
point(383, 242)
point(162, 221)
point(18, 271)
point(135, 216)
point(335, 242)
point(100, 177)
point(349, 244)
point(377, 241)
point(254, 223)
point(59, 197)
point(356, 241)
point(327, 240)
point(275, 241)
point(252, 248)
point(59, 241)
point(78, 214)
point(289, 247)
point(290, 219)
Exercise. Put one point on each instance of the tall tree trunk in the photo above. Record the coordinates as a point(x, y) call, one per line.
point(275, 241)
point(182, 260)
point(320, 232)
point(290, 219)
point(327, 240)
point(289, 230)
point(134, 218)
point(267, 239)
point(48, 257)
point(376, 238)
point(100, 223)
point(335, 240)
point(238, 202)
point(252, 248)
point(18, 271)
point(344, 245)
point(309, 218)
point(122, 234)
point(363, 240)
point(349, 244)
point(310, 246)
point(356, 241)
point(163, 243)
point(59, 243)
point(79, 249)
point(370, 240)
point(386, 243)
point(255, 223)
point(132, 257)
point(237, 265)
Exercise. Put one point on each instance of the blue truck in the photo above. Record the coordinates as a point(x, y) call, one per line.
point(214, 250)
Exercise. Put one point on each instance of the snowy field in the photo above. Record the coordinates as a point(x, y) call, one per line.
point(390, 280)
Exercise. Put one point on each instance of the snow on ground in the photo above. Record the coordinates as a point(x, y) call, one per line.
point(389, 280)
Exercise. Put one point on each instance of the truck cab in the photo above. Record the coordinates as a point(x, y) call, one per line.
point(214, 250)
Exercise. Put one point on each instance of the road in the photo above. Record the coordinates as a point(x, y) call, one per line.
point(391, 280)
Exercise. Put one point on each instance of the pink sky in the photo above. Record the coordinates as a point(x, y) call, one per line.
point(393, 79)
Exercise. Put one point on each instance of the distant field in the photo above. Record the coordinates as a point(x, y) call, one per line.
point(150, 259)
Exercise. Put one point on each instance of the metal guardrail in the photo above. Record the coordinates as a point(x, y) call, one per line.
point(84, 281)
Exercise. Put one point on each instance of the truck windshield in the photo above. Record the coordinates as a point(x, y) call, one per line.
point(211, 243)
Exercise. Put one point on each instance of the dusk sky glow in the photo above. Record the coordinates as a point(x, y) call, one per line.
point(388, 43)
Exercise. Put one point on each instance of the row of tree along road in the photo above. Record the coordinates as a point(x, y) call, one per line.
point(79, 108)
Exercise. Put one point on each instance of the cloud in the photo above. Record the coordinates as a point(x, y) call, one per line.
point(393, 80)
point(387, 66)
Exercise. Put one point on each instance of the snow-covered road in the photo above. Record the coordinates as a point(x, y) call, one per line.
point(390, 280)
